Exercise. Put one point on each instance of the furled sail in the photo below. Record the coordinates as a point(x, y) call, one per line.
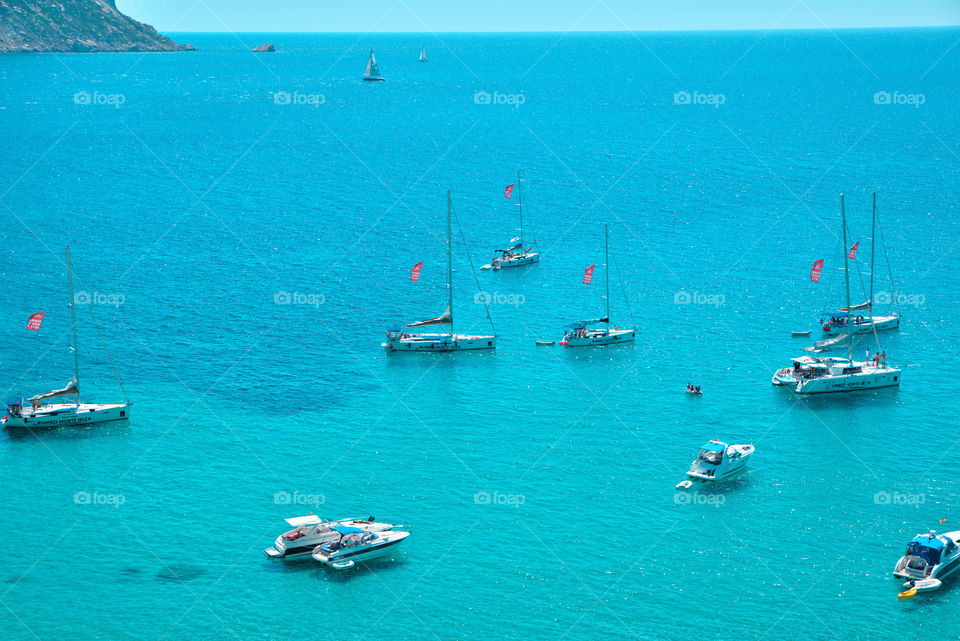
point(444, 319)
point(830, 343)
point(857, 308)
point(71, 388)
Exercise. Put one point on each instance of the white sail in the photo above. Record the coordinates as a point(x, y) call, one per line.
point(372, 71)
point(423, 55)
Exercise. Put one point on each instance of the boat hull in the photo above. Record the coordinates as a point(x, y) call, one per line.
point(876, 323)
point(439, 343)
point(528, 259)
point(930, 580)
point(879, 379)
point(374, 79)
point(360, 553)
point(601, 337)
point(69, 414)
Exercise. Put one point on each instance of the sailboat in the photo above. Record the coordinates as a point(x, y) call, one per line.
point(423, 55)
point(75, 413)
point(826, 374)
point(833, 322)
point(580, 334)
point(372, 72)
point(399, 340)
point(515, 255)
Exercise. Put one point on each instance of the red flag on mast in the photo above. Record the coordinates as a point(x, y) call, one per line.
point(34, 322)
point(588, 275)
point(815, 272)
point(508, 191)
point(415, 272)
point(853, 251)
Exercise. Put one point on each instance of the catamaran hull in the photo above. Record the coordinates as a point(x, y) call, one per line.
point(851, 383)
point(878, 323)
point(63, 415)
point(614, 336)
point(441, 344)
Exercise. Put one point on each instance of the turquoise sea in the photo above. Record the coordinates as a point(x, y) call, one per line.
point(199, 191)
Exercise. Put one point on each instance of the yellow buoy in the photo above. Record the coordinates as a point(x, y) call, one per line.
point(909, 594)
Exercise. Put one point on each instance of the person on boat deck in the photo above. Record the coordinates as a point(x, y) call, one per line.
point(883, 357)
point(876, 360)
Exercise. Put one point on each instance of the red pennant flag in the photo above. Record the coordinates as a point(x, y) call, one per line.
point(588, 275)
point(415, 272)
point(853, 251)
point(815, 272)
point(34, 322)
point(508, 191)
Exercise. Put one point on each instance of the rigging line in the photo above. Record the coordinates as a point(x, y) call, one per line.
point(616, 268)
point(533, 232)
point(863, 289)
point(886, 256)
point(466, 249)
point(109, 356)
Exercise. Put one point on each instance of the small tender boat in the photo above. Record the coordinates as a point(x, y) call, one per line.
point(928, 560)
point(310, 531)
point(696, 391)
point(546, 342)
point(800, 333)
point(355, 545)
point(683, 485)
point(718, 460)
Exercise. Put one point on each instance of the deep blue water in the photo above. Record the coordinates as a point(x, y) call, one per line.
point(188, 194)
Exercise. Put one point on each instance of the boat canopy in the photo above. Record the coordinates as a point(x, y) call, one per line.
point(346, 529)
point(71, 388)
point(297, 521)
point(927, 546)
point(444, 319)
point(714, 446)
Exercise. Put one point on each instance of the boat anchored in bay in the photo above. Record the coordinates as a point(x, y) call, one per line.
point(310, 531)
point(355, 545)
point(515, 255)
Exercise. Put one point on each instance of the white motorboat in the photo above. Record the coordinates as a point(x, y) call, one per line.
point(372, 72)
point(400, 340)
point(355, 545)
point(827, 374)
point(929, 559)
point(849, 319)
point(40, 414)
point(310, 531)
point(718, 460)
point(582, 333)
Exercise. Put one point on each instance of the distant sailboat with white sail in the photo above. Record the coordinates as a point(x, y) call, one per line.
point(423, 55)
point(372, 72)
point(61, 414)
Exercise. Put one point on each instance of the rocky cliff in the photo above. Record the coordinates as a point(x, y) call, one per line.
point(75, 25)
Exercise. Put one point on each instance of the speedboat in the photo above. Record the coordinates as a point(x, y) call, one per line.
point(718, 460)
point(310, 531)
point(825, 374)
point(355, 545)
point(929, 559)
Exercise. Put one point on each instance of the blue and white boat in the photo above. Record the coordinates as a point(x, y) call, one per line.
point(718, 460)
point(355, 545)
point(929, 559)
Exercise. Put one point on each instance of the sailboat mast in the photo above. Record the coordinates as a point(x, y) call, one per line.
point(606, 266)
point(449, 264)
point(73, 314)
point(873, 243)
point(520, 202)
point(846, 271)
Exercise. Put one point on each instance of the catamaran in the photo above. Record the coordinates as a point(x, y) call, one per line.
point(515, 255)
point(423, 55)
point(581, 333)
point(399, 340)
point(825, 374)
point(856, 322)
point(75, 413)
point(372, 72)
